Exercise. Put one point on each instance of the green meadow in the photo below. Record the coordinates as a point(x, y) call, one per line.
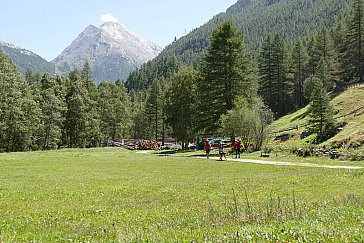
point(112, 194)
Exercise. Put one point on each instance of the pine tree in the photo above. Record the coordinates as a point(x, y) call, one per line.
point(181, 104)
point(76, 118)
point(114, 108)
point(313, 56)
point(275, 87)
point(154, 108)
point(282, 87)
point(298, 69)
point(355, 41)
point(52, 105)
point(340, 43)
point(266, 71)
point(327, 67)
point(93, 131)
point(19, 113)
point(320, 110)
point(226, 73)
point(86, 72)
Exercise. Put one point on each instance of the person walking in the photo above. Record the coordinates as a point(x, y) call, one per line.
point(221, 150)
point(237, 148)
point(207, 147)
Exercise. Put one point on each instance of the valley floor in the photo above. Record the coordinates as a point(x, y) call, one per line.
point(111, 194)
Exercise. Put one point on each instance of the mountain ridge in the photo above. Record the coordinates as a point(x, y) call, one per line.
point(25, 59)
point(254, 19)
point(112, 51)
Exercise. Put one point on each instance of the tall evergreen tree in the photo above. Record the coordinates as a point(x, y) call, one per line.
point(19, 113)
point(114, 108)
point(76, 118)
point(298, 69)
point(86, 72)
point(327, 67)
point(320, 110)
point(275, 87)
point(313, 56)
point(181, 104)
point(52, 105)
point(355, 41)
point(340, 44)
point(93, 131)
point(266, 70)
point(282, 87)
point(226, 73)
point(154, 108)
point(138, 117)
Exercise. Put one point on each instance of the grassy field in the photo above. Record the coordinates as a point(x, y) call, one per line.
point(116, 195)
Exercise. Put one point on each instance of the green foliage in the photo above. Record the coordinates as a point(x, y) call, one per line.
point(25, 60)
point(298, 67)
point(162, 67)
point(226, 73)
point(114, 108)
point(82, 119)
point(19, 113)
point(52, 104)
point(275, 86)
point(154, 112)
point(355, 41)
point(320, 112)
point(327, 64)
point(181, 101)
point(249, 121)
point(254, 19)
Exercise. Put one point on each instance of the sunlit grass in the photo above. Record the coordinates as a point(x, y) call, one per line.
point(348, 109)
point(117, 195)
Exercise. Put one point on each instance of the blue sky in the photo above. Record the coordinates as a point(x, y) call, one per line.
point(46, 27)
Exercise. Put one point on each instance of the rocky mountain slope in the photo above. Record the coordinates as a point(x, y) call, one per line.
point(25, 59)
point(112, 50)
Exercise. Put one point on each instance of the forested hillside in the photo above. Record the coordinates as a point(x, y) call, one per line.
point(254, 19)
point(229, 91)
point(27, 60)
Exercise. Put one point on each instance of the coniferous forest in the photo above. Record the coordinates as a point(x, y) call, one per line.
point(230, 76)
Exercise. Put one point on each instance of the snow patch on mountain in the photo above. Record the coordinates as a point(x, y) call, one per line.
point(18, 48)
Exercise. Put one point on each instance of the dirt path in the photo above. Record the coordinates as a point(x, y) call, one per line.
point(277, 163)
point(264, 162)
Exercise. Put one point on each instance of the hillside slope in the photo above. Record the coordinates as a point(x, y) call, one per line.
point(349, 109)
point(255, 19)
point(25, 59)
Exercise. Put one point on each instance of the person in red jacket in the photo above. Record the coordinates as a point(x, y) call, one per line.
point(237, 147)
point(207, 147)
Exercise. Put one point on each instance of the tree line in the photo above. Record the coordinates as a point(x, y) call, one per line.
point(254, 19)
point(230, 91)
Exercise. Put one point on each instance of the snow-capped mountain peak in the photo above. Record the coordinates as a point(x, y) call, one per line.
point(112, 50)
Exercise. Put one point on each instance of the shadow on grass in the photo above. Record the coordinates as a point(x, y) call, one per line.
point(168, 152)
point(186, 153)
point(300, 117)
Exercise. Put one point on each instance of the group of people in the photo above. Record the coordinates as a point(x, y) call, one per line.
point(237, 148)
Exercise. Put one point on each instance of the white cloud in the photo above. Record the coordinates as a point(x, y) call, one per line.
point(108, 18)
